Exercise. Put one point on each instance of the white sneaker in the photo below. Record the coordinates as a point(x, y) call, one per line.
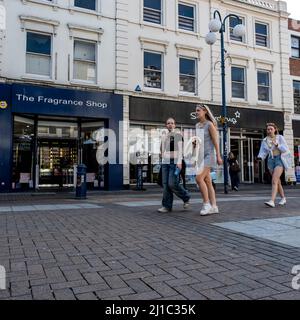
point(282, 202)
point(270, 204)
point(163, 210)
point(214, 209)
point(186, 205)
point(206, 209)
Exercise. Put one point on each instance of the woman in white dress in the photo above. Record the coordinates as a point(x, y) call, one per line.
point(208, 157)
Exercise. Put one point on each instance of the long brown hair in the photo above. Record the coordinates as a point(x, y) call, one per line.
point(209, 115)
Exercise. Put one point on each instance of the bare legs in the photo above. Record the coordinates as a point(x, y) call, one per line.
point(206, 188)
point(276, 183)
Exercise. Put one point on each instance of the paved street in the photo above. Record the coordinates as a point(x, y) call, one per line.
point(117, 246)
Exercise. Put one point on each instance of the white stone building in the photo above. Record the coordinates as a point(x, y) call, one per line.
point(152, 54)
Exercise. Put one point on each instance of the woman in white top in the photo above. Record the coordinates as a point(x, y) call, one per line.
point(208, 156)
point(275, 148)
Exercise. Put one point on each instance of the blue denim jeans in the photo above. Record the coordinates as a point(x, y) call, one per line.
point(274, 162)
point(171, 185)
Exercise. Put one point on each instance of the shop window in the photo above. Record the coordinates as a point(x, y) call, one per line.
point(264, 86)
point(153, 11)
point(49, 129)
point(187, 75)
point(186, 17)
point(261, 34)
point(295, 47)
point(233, 21)
point(296, 86)
point(38, 54)
point(153, 70)
point(238, 83)
point(23, 142)
point(92, 139)
point(85, 61)
point(86, 4)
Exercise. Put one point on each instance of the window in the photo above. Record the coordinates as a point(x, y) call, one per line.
point(152, 70)
point(233, 21)
point(295, 47)
point(152, 11)
point(264, 86)
point(86, 4)
point(186, 17)
point(38, 54)
point(261, 34)
point(238, 83)
point(296, 85)
point(187, 75)
point(84, 61)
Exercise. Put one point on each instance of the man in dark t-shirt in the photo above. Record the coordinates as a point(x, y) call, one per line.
point(172, 156)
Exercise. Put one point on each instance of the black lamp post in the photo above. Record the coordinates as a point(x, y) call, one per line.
point(218, 25)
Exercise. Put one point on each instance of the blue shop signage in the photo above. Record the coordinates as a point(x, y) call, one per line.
point(65, 102)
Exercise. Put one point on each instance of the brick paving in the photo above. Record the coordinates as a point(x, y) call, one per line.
point(110, 251)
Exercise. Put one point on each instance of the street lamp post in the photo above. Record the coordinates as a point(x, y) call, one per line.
point(218, 25)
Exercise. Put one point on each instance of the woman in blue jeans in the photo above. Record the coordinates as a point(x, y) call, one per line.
point(172, 157)
point(273, 147)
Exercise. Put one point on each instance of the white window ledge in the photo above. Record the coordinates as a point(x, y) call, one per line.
point(35, 77)
point(84, 83)
point(34, 23)
point(77, 30)
point(52, 4)
point(73, 9)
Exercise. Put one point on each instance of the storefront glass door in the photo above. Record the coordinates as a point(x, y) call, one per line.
point(57, 153)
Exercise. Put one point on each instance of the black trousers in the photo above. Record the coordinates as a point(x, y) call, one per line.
point(234, 177)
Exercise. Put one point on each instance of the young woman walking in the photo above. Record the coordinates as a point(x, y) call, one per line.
point(208, 156)
point(275, 148)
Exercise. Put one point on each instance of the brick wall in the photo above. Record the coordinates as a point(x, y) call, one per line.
point(295, 67)
point(294, 25)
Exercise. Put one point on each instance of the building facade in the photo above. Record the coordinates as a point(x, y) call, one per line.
point(70, 68)
point(173, 68)
point(57, 94)
point(294, 28)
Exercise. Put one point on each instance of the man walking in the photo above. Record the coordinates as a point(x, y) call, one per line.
point(172, 156)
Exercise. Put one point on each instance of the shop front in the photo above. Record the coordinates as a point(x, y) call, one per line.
point(296, 131)
point(46, 132)
point(246, 129)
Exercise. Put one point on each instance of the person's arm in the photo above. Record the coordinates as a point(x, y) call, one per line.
point(262, 151)
point(282, 145)
point(215, 139)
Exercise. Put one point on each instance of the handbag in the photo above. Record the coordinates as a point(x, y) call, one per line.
point(287, 159)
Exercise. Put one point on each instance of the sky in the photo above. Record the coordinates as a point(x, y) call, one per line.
point(294, 8)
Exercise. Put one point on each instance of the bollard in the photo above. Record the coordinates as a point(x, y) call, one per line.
point(81, 182)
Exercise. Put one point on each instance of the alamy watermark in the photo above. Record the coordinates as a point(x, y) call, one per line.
point(2, 278)
point(296, 279)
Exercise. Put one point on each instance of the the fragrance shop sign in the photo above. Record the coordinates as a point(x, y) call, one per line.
point(39, 100)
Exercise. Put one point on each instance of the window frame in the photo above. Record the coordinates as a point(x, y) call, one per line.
point(50, 56)
point(85, 61)
point(161, 88)
point(230, 29)
point(270, 85)
point(268, 38)
point(194, 6)
point(161, 14)
point(238, 82)
point(195, 76)
point(92, 10)
point(294, 48)
point(296, 105)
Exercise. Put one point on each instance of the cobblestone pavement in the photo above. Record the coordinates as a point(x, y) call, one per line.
point(103, 248)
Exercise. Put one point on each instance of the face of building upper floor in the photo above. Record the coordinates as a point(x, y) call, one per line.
point(151, 47)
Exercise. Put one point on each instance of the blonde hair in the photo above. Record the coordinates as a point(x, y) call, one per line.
point(209, 115)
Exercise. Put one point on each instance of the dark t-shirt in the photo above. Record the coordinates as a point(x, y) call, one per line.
point(171, 142)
